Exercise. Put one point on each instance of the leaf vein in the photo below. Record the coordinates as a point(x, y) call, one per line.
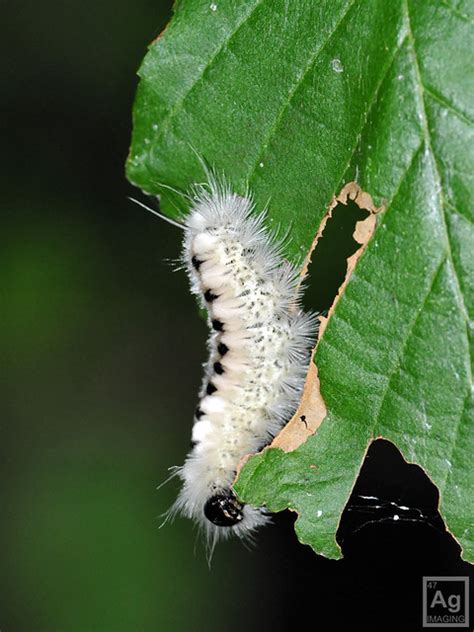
point(294, 88)
point(372, 102)
point(441, 99)
point(429, 145)
point(457, 13)
point(460, 299)
point(455, 209)
point(455, 442)
point(400, 355)
point(178, 105)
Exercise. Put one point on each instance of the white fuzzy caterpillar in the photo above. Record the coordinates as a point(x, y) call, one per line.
point(259, 350)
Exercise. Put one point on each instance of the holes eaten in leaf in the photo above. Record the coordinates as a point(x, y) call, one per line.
point(389, 490)
point(346, 238)
point(328, 266)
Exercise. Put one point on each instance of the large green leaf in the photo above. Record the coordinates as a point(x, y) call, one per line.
point(295, 99)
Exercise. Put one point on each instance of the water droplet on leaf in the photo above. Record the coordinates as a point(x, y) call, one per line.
point(337, 66)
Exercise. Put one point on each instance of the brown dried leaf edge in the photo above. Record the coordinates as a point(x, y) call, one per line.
point(312, 408)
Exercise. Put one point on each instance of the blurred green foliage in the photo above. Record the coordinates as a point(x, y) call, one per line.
point(95, 333)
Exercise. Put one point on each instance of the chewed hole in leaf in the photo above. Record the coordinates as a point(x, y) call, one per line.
point(389, 490)
point(341, 238)
point(328, 266)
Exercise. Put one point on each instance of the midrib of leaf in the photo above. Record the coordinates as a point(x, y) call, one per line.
point(441, 207)
point(429, 146)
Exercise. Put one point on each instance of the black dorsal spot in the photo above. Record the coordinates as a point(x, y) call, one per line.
point(209, 296)
point(211, 388)
point(222, 348)
point(223, 509)
point(218, 368)
point(217, 325)
point(196, 263)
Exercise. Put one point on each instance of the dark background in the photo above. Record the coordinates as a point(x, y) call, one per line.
point(101, 347)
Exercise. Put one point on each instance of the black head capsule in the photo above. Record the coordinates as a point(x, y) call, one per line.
point(223, 509)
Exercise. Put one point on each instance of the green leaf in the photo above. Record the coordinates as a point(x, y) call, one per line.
point(295, 99)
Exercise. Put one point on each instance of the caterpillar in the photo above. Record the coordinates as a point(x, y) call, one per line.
point(259, 345)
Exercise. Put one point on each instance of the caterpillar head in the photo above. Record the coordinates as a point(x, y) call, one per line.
point(224, 509)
